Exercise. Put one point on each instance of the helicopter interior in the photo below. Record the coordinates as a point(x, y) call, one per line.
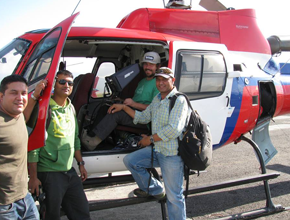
point(98, 87)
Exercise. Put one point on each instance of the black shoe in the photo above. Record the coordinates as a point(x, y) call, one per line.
point(142, 194)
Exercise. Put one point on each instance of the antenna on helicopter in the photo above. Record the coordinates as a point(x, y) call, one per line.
point(76, 7)
point(177, 4)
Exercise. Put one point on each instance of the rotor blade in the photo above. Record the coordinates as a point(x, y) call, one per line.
point(212, 5)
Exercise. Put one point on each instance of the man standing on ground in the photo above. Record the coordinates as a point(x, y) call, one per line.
point(166, 128)
point(15, 200)
point(51, 165)
point(144, 93)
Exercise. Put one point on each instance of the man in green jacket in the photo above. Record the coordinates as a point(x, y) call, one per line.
point(51, 165)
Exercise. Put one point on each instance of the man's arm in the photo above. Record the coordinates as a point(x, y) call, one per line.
point(34, 182)
point(136, 105)
point(83, 171)
point(119, 107)
point(31, 102)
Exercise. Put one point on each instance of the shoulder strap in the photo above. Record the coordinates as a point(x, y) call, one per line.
point(173, 100)
point(193, 113)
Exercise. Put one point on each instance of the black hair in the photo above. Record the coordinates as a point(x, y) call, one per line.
point(65, 72)
point(10, 79)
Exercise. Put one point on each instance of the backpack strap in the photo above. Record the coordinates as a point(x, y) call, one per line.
point(171, 105)
point(173, 100)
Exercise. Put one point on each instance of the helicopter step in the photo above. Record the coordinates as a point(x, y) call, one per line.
point(269, 209)
point(114, 203)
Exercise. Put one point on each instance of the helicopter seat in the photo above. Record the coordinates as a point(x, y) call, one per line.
point(81, 90)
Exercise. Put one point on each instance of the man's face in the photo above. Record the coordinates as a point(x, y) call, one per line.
point(14, 99)
point(164, 85)
point(62, 87)
point(149, 69)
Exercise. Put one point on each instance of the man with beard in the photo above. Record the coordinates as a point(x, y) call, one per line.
point(144, 94)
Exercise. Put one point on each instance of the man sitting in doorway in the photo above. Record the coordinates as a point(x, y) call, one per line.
point(144, 94)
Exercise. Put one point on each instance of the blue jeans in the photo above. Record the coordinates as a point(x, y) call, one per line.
point(172, 173)
point(21, 209)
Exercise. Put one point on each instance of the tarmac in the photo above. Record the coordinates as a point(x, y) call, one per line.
point(233, 161)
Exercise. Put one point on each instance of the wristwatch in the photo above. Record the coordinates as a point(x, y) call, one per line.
point(151, 139)
point(33, 97)
point(81, 163)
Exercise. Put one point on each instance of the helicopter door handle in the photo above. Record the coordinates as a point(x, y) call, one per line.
point(228, 102)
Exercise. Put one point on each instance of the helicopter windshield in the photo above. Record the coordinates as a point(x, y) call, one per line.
point(11, 56)
point(271, 67)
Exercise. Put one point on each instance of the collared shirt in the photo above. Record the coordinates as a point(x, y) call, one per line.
point(167, 126)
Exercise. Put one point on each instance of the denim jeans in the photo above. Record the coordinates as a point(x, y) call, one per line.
point(19, 210)
point(172, 173)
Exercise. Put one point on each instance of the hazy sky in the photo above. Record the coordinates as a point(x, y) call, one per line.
point(19, 16)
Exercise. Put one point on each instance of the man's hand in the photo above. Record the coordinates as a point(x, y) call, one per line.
point(129, 102)
point(33, 186)
point(39, 88)
point(115, 108)
point(135, 105)
point(145, 141)
point(83, 171)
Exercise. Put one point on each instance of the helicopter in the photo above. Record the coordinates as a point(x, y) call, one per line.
point(220, 58)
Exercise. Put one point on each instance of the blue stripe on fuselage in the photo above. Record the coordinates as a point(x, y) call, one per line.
point(235, 101)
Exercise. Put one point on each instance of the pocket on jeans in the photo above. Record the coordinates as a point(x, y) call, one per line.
point(6, 208)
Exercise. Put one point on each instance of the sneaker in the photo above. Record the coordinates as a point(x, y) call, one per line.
point(159, 196)
point(142, 194)
point(90, 143)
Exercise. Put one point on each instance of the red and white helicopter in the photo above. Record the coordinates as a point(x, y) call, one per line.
point(220, 58)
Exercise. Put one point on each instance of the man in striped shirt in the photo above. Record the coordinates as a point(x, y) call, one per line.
point(166, 128)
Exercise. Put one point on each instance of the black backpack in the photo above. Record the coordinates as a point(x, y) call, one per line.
point(195, 148)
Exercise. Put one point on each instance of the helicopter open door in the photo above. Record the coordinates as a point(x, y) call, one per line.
point(43, 64)
point(201, 72)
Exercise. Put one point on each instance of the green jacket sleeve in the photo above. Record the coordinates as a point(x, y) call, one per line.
point(33, 156)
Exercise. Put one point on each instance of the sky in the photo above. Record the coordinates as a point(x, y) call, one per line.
point(19, 16)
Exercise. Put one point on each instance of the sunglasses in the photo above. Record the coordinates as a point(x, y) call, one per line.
point(164, 70)
point(63, 82)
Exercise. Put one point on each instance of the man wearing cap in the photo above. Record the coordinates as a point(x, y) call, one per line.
point(144, 93)
point(166, 128)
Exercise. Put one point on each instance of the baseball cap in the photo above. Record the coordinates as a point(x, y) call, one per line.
point(151, 57)
point(164, 72)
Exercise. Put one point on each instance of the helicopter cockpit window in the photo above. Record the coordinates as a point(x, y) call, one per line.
point(99, 88)
point(39, 62)
point(11, 56)
point(202, 74)
point(272, 67)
